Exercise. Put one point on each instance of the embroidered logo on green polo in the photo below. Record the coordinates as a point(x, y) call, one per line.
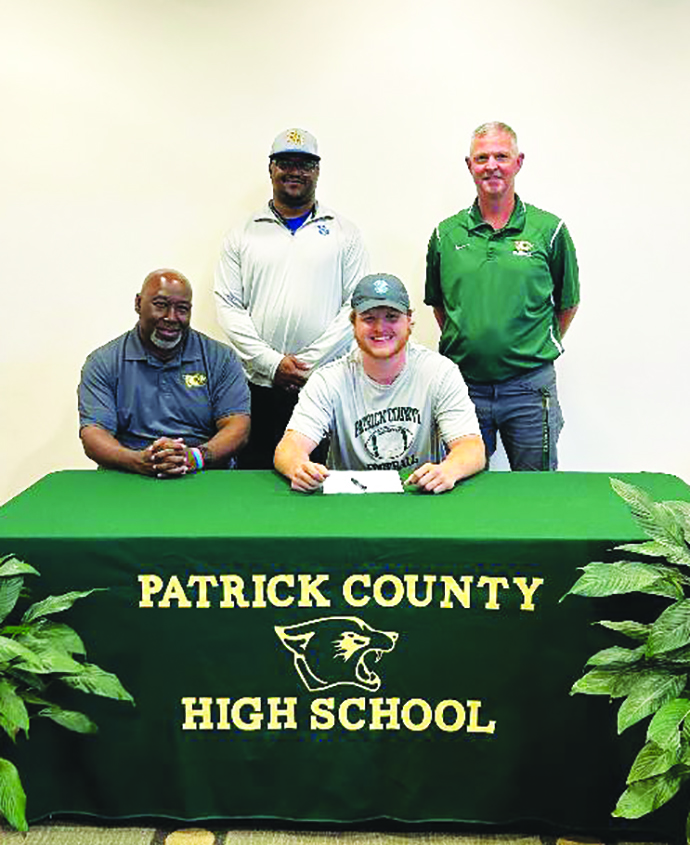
point(523, 248)
point(195, 379)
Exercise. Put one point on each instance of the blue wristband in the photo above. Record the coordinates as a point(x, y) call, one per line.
point(198, 459)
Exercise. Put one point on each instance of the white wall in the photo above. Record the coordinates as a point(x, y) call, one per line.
point(136, 131)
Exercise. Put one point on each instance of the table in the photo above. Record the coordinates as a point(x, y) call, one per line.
point(332, 659)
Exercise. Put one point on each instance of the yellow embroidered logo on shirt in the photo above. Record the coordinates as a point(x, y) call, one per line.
point(523, 248)
point(195, 379)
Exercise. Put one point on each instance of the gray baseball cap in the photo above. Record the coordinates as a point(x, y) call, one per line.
point(295, 141)
point(380, 289)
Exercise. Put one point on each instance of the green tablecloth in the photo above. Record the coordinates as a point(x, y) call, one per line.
point(331, 658)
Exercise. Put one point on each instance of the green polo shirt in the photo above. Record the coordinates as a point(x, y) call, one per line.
point(501, 290)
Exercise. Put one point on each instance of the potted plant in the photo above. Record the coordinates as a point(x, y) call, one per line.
point(35, 653)
point(651, 676)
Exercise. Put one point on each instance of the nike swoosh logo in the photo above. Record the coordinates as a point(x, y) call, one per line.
point(461, 246)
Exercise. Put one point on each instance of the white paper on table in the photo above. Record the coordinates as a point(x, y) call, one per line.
point(363, 481)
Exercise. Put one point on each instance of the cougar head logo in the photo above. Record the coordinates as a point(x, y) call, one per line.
point(336, 651)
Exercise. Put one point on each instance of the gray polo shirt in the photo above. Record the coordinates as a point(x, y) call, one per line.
point(135, 396)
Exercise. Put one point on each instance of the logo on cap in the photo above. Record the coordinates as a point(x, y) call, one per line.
point(295, 137)
point(380, 286)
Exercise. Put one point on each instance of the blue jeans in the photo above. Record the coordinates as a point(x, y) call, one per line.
point(526, 413)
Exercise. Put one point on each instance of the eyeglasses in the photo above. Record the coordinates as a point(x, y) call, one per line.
point(305, 165)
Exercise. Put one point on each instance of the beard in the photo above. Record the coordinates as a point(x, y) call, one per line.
point(166, 344)
point(296, 195)
point(398, 344)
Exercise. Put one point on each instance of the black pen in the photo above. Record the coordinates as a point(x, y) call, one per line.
point(358, 483)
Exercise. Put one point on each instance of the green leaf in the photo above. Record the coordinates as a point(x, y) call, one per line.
point(634, 630)
point(13, 566)
point(679, 657)
point(29, 680)
point(12, 796)
point(677, 547)
point(13, 630)
point(657, 520)
point(652, 761)
point(56, 604)
point(615, 684)
point(13, 714)
point(51, 659)
point(36, 656)
point(673, 552)
point(664, 729)
point(616, 657)
point(645, 796)
point(14, 653)
point(653, 521)
point(671, 630)
point(54, 644)
point(651, 548)
point(652, 690)
point(682, 513)
point(70, 719)
point(636, 499)
point(10, 588)
point(95, 680)
point(31, 698)
point(625, 576)
point(60, 636)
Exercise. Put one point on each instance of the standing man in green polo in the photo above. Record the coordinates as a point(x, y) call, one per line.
point(502, 279)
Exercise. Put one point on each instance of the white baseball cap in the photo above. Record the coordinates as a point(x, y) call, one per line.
point(295, 141)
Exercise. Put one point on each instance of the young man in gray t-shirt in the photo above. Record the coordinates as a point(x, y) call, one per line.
point(390, 404)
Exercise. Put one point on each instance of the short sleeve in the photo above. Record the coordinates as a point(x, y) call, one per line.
point(432, 289)
point(229, 391)
point(97, 394)
point(453, 409)
point(564, 270)
point(313, 414)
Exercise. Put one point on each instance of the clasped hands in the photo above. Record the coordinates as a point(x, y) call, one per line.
point(291, 373)
point(168, 457)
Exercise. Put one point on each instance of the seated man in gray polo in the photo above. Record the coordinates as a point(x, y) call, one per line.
point(389, 404)
point(163, 399)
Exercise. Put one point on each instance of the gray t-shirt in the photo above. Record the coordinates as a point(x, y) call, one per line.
point(386, 426)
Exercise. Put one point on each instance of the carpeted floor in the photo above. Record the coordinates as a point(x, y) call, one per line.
point(69, 834)
point(60, 833)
